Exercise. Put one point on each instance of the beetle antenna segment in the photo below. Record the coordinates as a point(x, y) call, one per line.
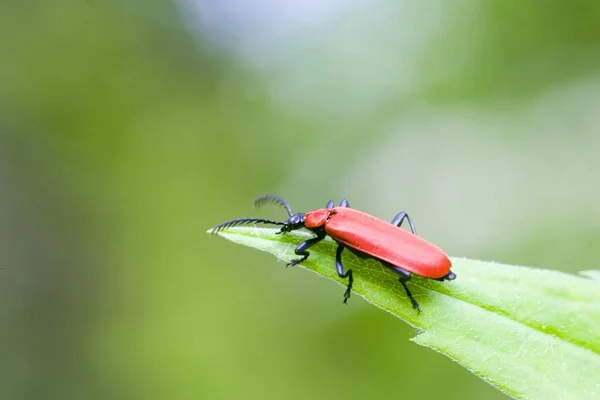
point(242, 221)
point(270, 198)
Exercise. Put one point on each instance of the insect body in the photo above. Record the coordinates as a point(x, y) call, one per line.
point(365, 235)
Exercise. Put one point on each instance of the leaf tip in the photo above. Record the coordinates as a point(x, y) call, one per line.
point(213, 232)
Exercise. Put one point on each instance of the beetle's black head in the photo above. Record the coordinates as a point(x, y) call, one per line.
point(296, 221)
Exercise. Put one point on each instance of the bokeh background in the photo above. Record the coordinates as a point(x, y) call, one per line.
point(127, 129)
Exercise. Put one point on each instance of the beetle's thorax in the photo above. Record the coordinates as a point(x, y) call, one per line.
point(317, 218)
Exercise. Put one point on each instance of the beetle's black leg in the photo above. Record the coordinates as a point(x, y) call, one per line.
point(449, 277)
point(399, 219)
point(410, 296)
point(405, 277)
point(302, 248)
point(344, 203)
point(340, 271)
point(330, 205)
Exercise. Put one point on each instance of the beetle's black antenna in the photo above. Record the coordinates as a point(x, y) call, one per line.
point(270, 198)
point(242, 221)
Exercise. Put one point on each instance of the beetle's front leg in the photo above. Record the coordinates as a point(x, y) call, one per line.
point(302, 248)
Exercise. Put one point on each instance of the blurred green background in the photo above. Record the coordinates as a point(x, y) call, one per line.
point(127, 129)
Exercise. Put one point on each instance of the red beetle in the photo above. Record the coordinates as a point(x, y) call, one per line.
point(366, 236)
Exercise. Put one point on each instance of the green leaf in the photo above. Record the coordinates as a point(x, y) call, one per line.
point(532, 333)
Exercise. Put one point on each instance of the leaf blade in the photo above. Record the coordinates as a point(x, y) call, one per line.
point(531, 333)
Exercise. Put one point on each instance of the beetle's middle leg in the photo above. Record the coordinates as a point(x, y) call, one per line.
point(404, 277)
point(399, 219)
point(340, 271)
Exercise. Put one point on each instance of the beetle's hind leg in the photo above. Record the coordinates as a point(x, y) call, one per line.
point(449, 277)
point(404, 277)
point(339, 267)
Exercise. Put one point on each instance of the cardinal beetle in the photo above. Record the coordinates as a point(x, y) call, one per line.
point(365, 235)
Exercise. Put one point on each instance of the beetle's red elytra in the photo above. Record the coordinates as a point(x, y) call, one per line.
point(404, 252)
